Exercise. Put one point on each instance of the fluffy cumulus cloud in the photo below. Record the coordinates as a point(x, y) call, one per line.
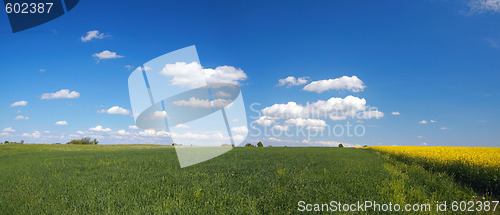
point(182, 126)
point(395, 113)
point(116, 110)
point(353, 84)
point(370, 114)
point(188, 74)
point(35, 134)
point(334, 108)
point(8, 129)
point(306, 122)
point(281, 127)
point(61, 94)
point(265, 120)
point(19, 103)
point(106, 55)
point(241, 129)
point(483, 6)
point(133, 127)
point(95, 34)
point(159, 115)
point(292, 81)
point(61, 123)
point(99, 128)
point(202, 103)
point(423, 122)
point(21, 117)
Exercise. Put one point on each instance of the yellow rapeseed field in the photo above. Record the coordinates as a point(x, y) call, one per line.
point(478, 167)
point(482, 156)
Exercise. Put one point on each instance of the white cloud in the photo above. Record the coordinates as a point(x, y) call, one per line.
point(202, 103)
point(9, 129)
point(153, 133)
point(21, 117)
point(19, 103)
point(372, 114)
point(47, 132)
point(116, 110)
point(4, 134)
point(222, 94)
point(292, 81)
point(188, 74)
point(444, 128)
point(42, 70)
point(306, 122)
point(432, 121)
point(291, 109)
point(241, 129)
point(35, 134)
point(182, 126)
point(420, 137)
point(61, 123)
point(106, 55)
point(482, 6)
point(123, 132)
point(159, 115)
point(353, 84)
point(93, 35)
point(133, 127)
point(423, 144)
point(265, 120)
point(423, 122)
point(334, 108)
point(281, 127)
point(61, 94)
point(100, 129)
point(129, 67)
point(395, 113)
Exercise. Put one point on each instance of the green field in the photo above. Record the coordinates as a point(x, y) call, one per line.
point(142, 179)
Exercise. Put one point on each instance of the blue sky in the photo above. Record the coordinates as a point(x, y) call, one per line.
point(427, 60)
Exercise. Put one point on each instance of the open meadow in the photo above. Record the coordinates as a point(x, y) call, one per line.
point(145, 179)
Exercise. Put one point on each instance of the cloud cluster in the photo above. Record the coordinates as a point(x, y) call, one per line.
point(202, 103)
point(482, 6)
point(353, 84)
point(334, 108)
point(19, 103)
point(106, 55)
point(21, 117)
point(93, 35)
point(61, 94)
point(116, 110)
point(61, 123)
point(292, 81)
point(188, 74)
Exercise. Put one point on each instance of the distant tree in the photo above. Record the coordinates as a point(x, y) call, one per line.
point(6, 142)
point(249, 145)
point(365, 146)
point(259, 144)
point(83, 141)
point(22, 142)
point(233, 145)
point(269, 146)
point(341, 146)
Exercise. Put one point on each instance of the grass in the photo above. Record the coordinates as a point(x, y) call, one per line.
point(146, 179)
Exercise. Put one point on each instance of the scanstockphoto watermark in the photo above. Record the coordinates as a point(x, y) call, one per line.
point(310, 121)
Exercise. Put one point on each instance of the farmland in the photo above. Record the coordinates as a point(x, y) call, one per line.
point(145, 179)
